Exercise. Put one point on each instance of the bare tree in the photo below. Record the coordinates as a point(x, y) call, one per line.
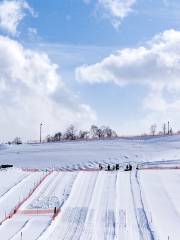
point(170, 131)
point(57, 136)
point(106, 131)
point(114, 134)
point(17, 140)
point(164, 129)
point(70, 133)
point(94, 130)
point(99, 133)
point(153, 129)
point(49, 138)
point(83, 134)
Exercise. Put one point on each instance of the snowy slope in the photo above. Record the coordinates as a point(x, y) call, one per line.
point(68, 155)
point(95, 205)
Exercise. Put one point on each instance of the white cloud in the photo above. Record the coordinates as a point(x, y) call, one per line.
point(115, 10)
point(11, 14)
point(155, 65)
point(31, 91)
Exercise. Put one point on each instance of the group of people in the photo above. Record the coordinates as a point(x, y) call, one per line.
point(109, 167)
point(115, 167)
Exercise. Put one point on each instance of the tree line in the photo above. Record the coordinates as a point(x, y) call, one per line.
point(166, 129)
point(71, 133)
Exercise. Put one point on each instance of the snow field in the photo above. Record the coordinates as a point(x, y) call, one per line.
point(160, 191)
point(87, 154)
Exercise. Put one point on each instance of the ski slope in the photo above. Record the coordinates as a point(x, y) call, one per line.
point(142, 204)
point(17, 193)
point(161, 193)
point(102, 205)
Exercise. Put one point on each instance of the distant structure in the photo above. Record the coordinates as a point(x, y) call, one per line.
point(40, 132)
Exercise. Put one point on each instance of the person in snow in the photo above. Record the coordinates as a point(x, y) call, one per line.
point(117, 166)
point(55, 210)
point(100, 166)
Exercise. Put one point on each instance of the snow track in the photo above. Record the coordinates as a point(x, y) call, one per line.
point(53, 192)
point(95, 205)
point(100, 220)
point(11, 177)
point(100, 206)
point(144, 227)
point(57, 184)
point(17, 193)
point(71, 221)
point(161, 193)
point(30, 227)
point(126, 222)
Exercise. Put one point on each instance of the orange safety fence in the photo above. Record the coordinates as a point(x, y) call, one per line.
point(36, 211)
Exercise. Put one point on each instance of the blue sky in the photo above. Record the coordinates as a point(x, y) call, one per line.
point(77, 34)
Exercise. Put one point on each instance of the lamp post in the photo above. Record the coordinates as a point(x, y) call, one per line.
point(41, 132)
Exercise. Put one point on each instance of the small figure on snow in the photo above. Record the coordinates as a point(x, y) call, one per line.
point(55, 210)
point(117, 166)
point(100, 166)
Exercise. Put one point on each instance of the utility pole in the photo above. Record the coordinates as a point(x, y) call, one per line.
point(40, 132)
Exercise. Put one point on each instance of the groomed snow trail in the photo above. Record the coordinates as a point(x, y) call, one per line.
point(145, 230)
point(30, 227)
point(53, 192)
point(70, 223)
point(126, 222)
point(100, 207)
point(17, 193)
point(161, 192)
point(10, 177)
point(100, 220)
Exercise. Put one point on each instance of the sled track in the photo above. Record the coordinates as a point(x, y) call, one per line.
point(144, 227)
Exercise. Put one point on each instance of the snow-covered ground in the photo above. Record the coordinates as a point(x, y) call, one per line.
point(83, 154)
point(94, 205)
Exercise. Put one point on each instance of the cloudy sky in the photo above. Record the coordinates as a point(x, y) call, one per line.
point(83, 62)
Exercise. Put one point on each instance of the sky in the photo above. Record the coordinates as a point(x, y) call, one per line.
point(83, 62)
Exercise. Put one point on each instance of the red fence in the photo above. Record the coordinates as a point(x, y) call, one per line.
point(16, 208)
